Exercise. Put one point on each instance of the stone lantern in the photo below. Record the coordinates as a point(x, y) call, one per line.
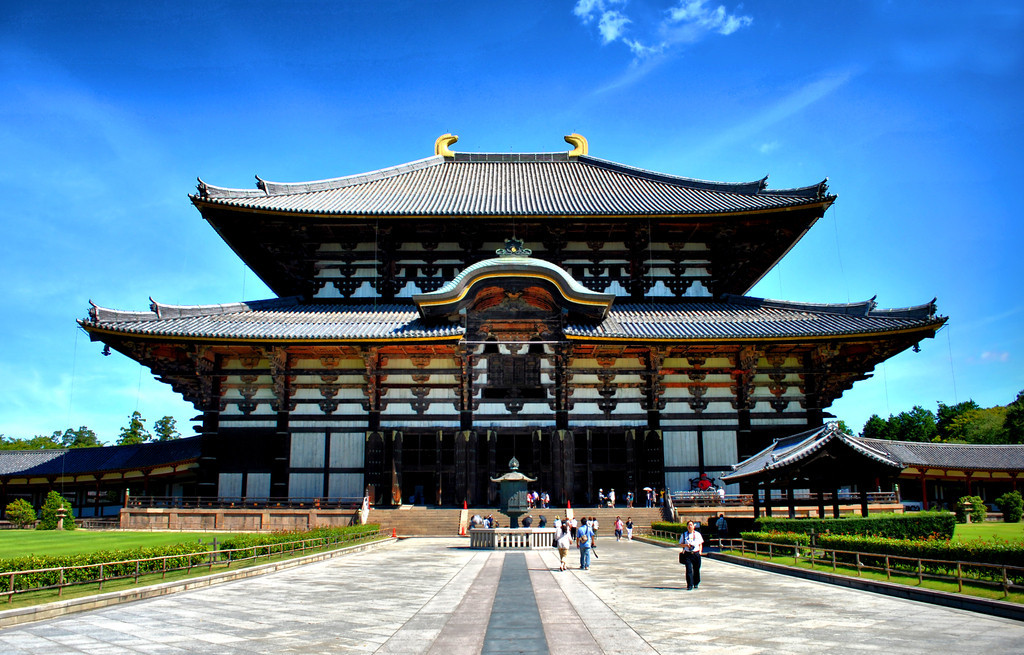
point(513, 492)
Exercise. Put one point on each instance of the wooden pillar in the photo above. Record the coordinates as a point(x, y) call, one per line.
point(791, 501)
point(924, 492)
point(835, 503)
point(492, 466)
point(96, 501)
point(757, 500)
point(472, 476)
point(438, 469)
point(461, 451)
point(767, 499)
point(821, 503)
point(863, 499)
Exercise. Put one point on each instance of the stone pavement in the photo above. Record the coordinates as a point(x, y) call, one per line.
point(437, 596)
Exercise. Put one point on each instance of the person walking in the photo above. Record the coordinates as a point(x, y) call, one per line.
point(563, 543)
point(618, 529)
point(722, 527)
point(585, 541)
point(629, 528)
point(693, 545)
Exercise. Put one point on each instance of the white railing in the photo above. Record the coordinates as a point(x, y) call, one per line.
point(511, 538)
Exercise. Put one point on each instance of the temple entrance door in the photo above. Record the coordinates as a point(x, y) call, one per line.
point(418, 488)
point(608, 480)
point(520, 446)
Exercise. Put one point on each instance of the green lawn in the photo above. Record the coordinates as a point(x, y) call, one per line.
point(989, 530)
point(15, 543)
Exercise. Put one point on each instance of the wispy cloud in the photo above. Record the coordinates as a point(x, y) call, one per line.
point(682, 23)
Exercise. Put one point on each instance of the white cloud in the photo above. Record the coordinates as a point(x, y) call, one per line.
point(686, 22)
point(612, 25)
point(989, 356)
point(768, 148)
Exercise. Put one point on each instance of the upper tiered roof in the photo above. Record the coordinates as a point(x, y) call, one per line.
point(513, 184)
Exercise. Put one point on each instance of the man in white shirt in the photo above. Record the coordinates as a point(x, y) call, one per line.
point(693, 545)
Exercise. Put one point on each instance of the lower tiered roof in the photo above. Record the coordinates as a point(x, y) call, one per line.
point(732, 318)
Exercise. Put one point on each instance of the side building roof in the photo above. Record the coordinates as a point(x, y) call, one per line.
point(962, 457)
point(75, 461)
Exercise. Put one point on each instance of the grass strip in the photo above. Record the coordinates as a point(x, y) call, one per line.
point(970, 588)
point(30, 598)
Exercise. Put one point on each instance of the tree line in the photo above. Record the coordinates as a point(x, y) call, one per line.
point(134, 432)
point(965, 422)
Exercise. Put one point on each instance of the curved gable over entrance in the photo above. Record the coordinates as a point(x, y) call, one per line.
point(514, 284)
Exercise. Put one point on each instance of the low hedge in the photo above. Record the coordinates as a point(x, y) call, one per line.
point(781, 538)
point(872, 550)
point(1001, 553)
point(248, 543)
point(668, 526)
point(919, 525)
point(191, 554)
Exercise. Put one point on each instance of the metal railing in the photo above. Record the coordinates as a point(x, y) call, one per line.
point(12, 582)
point(997, 576)
point(240, 502)
point(710, 498)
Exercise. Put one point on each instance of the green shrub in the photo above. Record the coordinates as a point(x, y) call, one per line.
point(189, 554)
point(247, 543)
point(919, 525)
point(48, 518)
point(782, 538)
point(1001, 553)
point(972, 505)
point(21, 513)
point(1010, 504)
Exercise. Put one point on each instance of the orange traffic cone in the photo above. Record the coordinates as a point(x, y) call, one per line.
point(394, 533)
point(568, 504)
point(462, 531)
point(464, 505)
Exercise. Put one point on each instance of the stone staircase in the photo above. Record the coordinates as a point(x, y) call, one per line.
point(419, 521)
point(642, 517)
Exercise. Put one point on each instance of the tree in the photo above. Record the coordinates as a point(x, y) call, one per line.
point(37, 442)
point(843, 427)
point(876, 428)
point(1011, 505)
point(21, 513)
point(979, 426)
point(1014, 422)
point(135, 432)
point(48, 518)
point(83, 437)
point(916, 425)
point(165, 429)
point(948, 414)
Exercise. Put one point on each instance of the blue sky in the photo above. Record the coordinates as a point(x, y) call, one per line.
point(109, 112)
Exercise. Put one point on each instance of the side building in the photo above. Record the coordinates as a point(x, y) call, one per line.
point(437, 318)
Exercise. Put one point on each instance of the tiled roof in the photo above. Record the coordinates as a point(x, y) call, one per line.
point(789, 452)
point(483, 184)
point(734, 317)
point(283, 318)
point(966, 457)
point(104, 458)
point(742, 317)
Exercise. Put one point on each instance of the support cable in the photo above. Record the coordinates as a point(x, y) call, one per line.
point(952, 371)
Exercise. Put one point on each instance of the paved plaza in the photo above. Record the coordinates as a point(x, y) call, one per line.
point(437, 596)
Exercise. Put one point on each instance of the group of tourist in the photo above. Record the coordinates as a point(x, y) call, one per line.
point(539, 499)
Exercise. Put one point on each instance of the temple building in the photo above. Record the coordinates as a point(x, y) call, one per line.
point(435, 319)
